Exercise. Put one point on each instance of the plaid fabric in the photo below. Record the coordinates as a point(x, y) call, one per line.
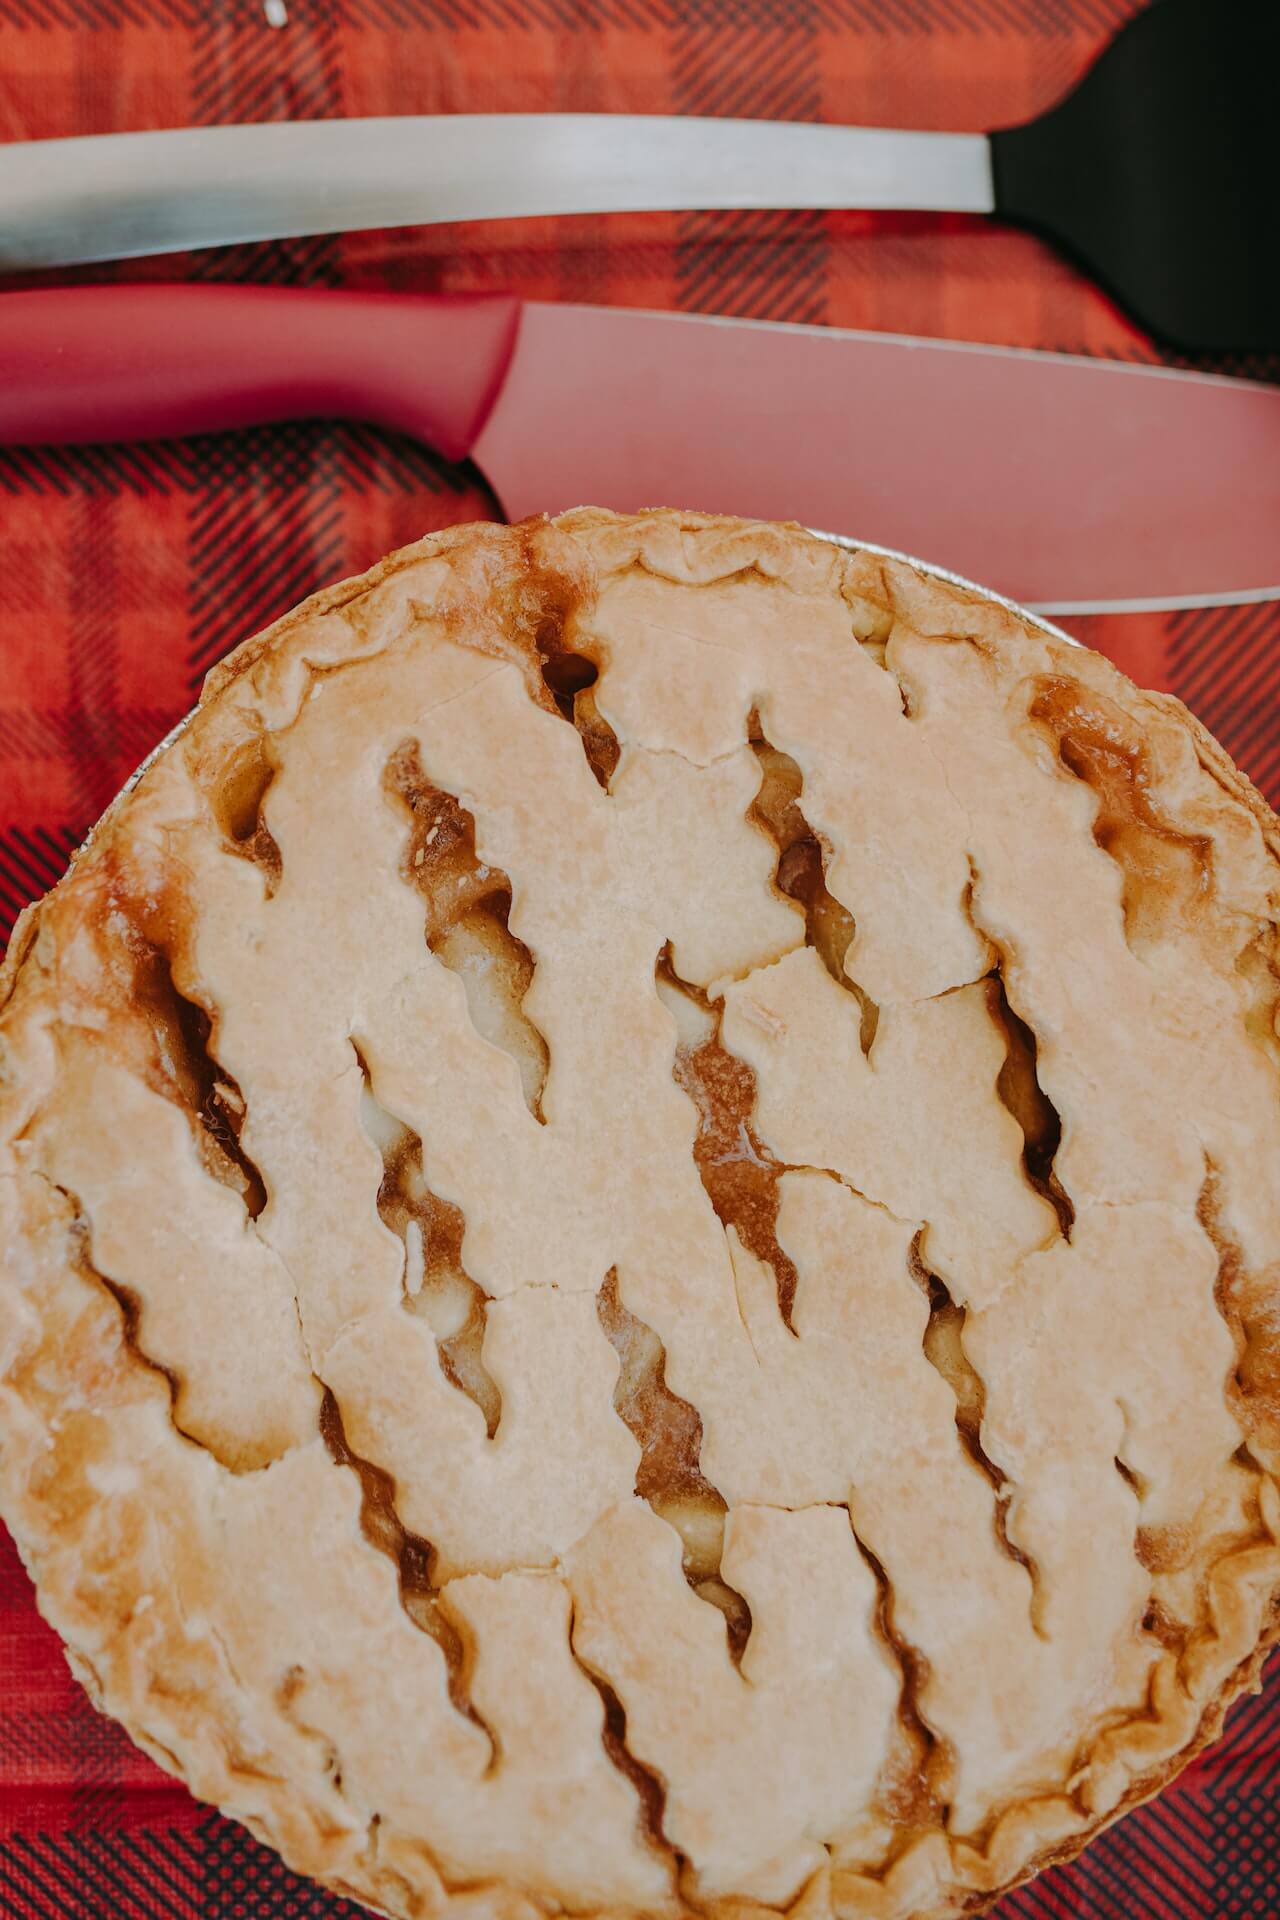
point(128, 570)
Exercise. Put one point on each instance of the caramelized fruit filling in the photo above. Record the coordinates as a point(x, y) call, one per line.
point(911, 1788)
point(738, 1171)
point(467, 908)
point(238, 801)
point(801, 872)
point(670, 1476)
point(535, 614)
point(236, 1456)
point(648, 1786)
point(172, 1041)
point(411, 1556)
point(944, 1350)
point(570, 679)
point(1018, 1087)
point(436, 1284)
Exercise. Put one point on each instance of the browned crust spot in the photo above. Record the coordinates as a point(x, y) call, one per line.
point(1247, 1302)
point(1168, 873)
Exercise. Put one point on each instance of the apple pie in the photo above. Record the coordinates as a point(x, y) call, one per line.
point(640, 1234)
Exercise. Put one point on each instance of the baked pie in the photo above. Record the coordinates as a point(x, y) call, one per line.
point(641, 1234)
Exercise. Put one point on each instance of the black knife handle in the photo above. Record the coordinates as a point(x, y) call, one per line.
point(1161, 172)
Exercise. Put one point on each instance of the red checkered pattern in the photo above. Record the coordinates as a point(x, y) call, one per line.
point(128, 570)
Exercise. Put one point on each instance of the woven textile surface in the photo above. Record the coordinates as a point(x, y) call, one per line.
point(128, 570)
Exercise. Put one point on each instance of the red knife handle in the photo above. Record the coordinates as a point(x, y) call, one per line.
point(148, 362)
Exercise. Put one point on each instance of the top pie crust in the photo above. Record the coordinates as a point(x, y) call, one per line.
point(640, 1219)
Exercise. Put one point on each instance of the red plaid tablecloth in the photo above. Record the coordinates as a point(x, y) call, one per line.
point(127, 570)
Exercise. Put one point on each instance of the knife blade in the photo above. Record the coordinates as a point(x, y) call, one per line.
point(114, 196)
point(1156, 172)
point(1068, 484)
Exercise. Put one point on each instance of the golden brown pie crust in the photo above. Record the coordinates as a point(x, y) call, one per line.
point(640, 1234)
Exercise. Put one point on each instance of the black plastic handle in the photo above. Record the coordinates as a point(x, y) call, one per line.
point(1161, 172)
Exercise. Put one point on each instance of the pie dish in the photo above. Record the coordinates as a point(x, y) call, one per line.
point(640, 1234)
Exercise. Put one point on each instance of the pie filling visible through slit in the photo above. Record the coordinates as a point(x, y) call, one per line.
point(640, 1234)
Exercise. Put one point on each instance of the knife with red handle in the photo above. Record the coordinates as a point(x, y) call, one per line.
point(1066, 483)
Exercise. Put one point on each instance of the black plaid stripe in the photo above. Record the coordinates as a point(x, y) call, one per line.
point(69, 472)
point(263, 530)
point(267, 523)
point(244, 71)
point(1042, 19)
point(217, 1872)
point(1226, 665)
point(36, 16)
point(31, 863)
point(105, 1875)
point(762, 265)
point(1139, 1870)
point(242, 1878)
point(1244, 1796)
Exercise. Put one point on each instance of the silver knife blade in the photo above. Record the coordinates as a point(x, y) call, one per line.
point(113, 196)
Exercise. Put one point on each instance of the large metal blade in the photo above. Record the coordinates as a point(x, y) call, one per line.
point(1061, 482)
point(108, 197)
